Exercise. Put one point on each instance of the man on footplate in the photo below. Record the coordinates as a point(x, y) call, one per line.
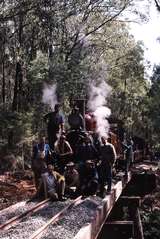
point(108, 158)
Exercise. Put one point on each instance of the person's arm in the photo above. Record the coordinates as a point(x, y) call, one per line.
point(62, 127)
point(45, 118)
point(58, 176)
point(56, 147)
point(95, 174)
point(114, 155)
point(124, 146)
point(82, 122)
point(69, 150)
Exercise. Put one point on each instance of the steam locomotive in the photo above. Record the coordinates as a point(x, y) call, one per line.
point(116, 132)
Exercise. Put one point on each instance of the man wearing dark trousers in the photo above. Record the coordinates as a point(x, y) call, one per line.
point(108, 157)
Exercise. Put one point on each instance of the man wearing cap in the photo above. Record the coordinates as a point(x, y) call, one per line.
point(55, 123)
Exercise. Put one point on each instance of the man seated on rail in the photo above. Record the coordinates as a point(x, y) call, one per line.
point(108, 158)
point(63, 151)
point(72, 179)
point(89, 179)
point(53, 183)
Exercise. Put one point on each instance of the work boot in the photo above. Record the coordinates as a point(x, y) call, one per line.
point(62, 198)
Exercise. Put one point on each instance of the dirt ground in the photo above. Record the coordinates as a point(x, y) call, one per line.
point(15, 187)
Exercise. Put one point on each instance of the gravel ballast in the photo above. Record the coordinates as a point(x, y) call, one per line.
point(66, 228)
point(30, 224)
point(15, 210)
point(72, 222)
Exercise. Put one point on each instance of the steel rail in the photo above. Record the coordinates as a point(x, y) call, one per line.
point(37, 234)
point(12, 207)
point(14, 220)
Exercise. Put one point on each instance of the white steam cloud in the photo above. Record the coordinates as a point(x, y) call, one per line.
point(49, 95)
point(96, 103)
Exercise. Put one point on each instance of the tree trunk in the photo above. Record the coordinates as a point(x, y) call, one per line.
point(17, 87)
point(20, 88)
point(16, 105)
point(3, 82)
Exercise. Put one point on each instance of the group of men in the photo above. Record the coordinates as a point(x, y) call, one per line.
point(62, 169)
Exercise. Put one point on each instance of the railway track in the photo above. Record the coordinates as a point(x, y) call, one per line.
point(16, 209)
point(11, 211)
point(55, 219)
point(69, 225)
point(60, 220)
point(34, 222)
point(12, 220)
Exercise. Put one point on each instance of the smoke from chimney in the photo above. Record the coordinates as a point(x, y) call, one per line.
point(97, 101)
point(49, 95)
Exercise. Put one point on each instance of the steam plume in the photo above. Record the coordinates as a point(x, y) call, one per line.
point(49, 95)
point(97, 101)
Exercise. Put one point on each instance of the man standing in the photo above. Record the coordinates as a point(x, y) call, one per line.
point(75, 120)
point(55, 123)
point(86, 151)
point(108, 157)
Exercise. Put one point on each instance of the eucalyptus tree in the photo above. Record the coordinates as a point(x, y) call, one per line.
point(153, 113)
point(68, 42)
point(57, 28)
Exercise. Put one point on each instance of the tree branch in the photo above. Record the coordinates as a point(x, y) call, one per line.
point(157, 5)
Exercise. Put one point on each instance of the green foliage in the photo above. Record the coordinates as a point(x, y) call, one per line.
point(153, 107)
point(38, 69)
point(151, 222)
point(72, 44)
point(15, 127)
point(37, 75)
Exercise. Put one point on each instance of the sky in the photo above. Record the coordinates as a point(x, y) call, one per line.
point(148, 31)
